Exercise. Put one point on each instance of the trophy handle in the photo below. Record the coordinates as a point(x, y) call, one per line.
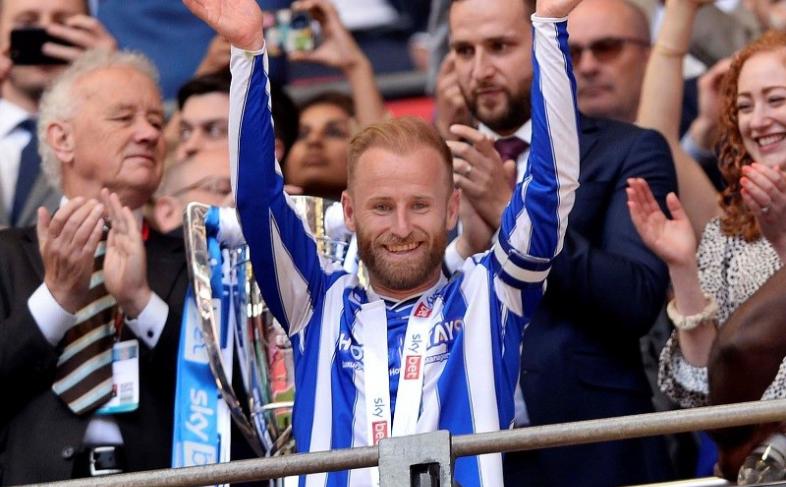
point(198, 263)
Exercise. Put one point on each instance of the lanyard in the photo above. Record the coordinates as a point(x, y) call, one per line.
point(376, 373)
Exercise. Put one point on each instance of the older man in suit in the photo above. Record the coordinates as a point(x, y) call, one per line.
point(580, 354)
point(23, 188)
point(89, 326)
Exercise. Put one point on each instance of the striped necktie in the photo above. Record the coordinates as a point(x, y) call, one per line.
point(84, 371)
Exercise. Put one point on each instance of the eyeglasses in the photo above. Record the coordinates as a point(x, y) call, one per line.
point(605, 49)
point(212, 184)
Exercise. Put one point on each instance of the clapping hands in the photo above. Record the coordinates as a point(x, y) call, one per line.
point(672, 239)
point(764, 193)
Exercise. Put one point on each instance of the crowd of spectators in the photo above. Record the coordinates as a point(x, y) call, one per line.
point(679, 223)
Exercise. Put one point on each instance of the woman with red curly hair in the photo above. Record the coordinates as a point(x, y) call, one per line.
point(742, 231)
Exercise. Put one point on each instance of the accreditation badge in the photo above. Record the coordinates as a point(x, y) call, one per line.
point(125, 378)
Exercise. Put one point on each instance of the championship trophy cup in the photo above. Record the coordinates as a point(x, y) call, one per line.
point(263, 409)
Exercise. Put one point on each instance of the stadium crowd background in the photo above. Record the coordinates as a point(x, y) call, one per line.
point(659, 118)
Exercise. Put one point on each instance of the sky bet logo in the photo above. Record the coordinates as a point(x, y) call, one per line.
point(379, 430)
point(423, 311)
point(411, 367)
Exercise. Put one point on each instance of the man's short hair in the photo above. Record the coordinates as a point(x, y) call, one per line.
point(59, 103)
point(217, 82)
point(336, 98)
point(401, 136)
point(529, 6)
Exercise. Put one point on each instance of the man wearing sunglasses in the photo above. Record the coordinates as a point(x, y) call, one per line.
point(580, 355)
point(610, 43)
point(610, 46)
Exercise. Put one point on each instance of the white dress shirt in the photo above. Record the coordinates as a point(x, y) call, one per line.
point(54, 322)
point(12, 140)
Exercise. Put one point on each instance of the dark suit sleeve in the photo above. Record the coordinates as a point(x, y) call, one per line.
point(27, 360)
point(613, 275)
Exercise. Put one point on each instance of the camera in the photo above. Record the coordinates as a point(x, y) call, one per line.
point(290, 31)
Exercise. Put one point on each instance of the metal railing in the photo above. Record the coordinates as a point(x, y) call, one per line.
point(619, 428)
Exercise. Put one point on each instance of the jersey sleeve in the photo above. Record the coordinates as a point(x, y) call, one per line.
point(291, 273)
point(533, 225)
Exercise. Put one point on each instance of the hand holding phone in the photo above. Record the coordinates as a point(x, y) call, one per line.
point(337, 47)
point(289, 31)
point(59, 43)
point(27, 47)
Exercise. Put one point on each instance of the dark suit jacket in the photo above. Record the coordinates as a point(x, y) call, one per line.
point(581, 358)
point(39, 435)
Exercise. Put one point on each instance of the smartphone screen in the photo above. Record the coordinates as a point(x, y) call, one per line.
point(26, 45)
point(290, 31)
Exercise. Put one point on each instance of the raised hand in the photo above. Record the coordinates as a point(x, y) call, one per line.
point(238, 21)
point(704, 129)
point(485, 180)
point(555, 8)
point(125, 262)
point(338, 48)
point(67, 242)
point(672, 239)
point(84, 32)
point(764, 193)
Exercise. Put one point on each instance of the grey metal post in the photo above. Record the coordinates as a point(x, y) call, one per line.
point(423, 460)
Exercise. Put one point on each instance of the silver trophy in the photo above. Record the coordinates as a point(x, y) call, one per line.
point(264, 353)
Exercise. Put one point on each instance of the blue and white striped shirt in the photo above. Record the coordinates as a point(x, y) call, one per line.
point(471, 361)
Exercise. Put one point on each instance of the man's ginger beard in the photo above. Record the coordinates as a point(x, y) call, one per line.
point(402, 275)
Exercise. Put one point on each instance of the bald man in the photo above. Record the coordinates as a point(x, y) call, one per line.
point(610, 44)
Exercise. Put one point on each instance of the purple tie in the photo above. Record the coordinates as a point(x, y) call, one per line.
point(510, 148)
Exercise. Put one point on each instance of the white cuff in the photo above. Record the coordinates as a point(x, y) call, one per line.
point(453, 259)
point(234, 50)
point(150, 322)
point(51, 318)
point(547, 20)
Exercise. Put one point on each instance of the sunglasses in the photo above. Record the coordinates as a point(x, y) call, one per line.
point(605, 49)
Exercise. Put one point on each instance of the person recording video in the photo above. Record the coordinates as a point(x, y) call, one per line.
point(23, 187)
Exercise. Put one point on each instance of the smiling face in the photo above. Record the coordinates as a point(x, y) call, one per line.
point(761, 107)
point(114, 139)
point(492, 43)
point(317, 161)
point(401, 205)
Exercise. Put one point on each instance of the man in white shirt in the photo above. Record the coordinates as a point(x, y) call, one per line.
point(87, 350)
point(22, 186)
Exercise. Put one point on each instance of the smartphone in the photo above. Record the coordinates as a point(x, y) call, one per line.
point(26, 45)
point(290, 31)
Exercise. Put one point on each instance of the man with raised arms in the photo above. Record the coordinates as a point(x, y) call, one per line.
point(412, 352)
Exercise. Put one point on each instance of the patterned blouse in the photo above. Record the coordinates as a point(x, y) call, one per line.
point(730, 269)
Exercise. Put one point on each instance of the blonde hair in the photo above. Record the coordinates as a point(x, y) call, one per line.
point(399, 135)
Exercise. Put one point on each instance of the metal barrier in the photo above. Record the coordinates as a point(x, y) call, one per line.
point(433, 462)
